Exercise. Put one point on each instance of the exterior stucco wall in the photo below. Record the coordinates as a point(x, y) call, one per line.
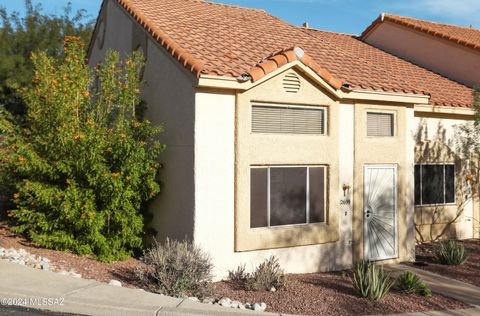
point(452, 60)
point(222, 179)
point(169, 96)
point(435, 143)
point(385, 150)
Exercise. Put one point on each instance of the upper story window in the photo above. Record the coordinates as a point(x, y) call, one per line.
point(380, 124)
point(288, 120)
point(434, 184)
point(284, 195)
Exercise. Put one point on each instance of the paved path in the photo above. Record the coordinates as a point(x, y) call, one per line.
point(461, 291)
point(94, 298)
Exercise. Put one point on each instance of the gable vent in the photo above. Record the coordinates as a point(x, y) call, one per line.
point(288, 120)
point(291, 82)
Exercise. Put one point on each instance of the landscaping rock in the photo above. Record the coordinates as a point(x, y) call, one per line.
point(236, 304)
point(115, 283)
point(259, 307)
point(208, 300)
point(22, 257)
point(194, 299)
point(225, 302)
point(273, 289)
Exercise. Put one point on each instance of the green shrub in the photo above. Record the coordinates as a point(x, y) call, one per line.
point(450, 252)
point(177, 269)
point(370, 281)
point(83, 163)
point(408, 283)
point(267, 275)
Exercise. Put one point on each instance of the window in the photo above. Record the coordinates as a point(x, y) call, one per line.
point(287, 195)
point(434, 184)
point(288, 120)
point(380, 124)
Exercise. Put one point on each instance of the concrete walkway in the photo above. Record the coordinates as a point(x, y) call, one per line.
point(461, 291)
point(90, 297)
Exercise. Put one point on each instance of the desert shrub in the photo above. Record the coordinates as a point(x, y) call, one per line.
point(268, 274)
point(408, 283)
point(239, 277)
point(370, 281)
point(451, 252)
point(83, 163)
point(176, 268)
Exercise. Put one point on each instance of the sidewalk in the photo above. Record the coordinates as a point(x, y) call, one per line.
point(461, 291)
point(94, 298)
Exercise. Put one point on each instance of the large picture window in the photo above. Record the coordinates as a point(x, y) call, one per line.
point(434, 184)
point(287, 195)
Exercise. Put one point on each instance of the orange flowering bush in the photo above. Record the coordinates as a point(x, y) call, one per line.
point(83, 164)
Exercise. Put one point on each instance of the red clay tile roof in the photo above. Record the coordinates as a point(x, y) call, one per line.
point(283, 57)
point(465, 36)
point(225, 40)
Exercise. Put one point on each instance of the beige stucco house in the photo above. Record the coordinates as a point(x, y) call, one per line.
point(289, 141)
point(450, 50)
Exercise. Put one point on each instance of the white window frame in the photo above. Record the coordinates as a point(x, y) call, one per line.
point(444, 190)
point(394, 122)
point(323, 108)
point(307, 195)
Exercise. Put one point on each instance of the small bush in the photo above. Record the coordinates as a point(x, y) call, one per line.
point(239, 277)
point(267, 275)
point(176, 269)
point(409, 283)
point(370, 281)
point(451, 252)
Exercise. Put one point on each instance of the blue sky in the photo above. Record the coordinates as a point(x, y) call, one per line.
point(347, 16)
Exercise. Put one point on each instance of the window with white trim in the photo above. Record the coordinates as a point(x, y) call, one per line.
point(288, 119)
point(285, 195)
point(380, 124)
point(434, 184)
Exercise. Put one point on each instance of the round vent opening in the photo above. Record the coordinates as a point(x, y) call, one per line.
point(291, 83)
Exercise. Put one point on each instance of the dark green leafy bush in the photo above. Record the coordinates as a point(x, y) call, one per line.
point(370, 281)
point(177, 269)
point(408, 283)
point(451, 252)
point(83, 164)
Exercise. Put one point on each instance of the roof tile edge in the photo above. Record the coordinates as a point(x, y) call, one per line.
point(387, 17)
point(283, 57)
point(188, 60)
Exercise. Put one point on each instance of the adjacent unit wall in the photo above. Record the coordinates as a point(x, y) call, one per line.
point(440, 55)
point(435, 143)
point(169, 96)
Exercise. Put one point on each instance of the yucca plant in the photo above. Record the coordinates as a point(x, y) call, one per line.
point(450, 252)
point(409, 283)
point(370, 281)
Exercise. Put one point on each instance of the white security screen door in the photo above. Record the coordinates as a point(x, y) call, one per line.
point(380, 212)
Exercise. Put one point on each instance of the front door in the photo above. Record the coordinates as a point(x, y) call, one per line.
point(380, 212)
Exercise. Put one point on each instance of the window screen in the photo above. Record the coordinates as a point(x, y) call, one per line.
point(380, 124)
point(434, 184)
point(288, 120)
point(287, 195)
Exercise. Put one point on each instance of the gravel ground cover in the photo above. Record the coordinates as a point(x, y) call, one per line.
point(468, 272)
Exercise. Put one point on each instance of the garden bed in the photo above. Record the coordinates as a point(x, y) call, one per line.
point(88, 267)
point(307, 294)
point(469, 272)
point(333, 294)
